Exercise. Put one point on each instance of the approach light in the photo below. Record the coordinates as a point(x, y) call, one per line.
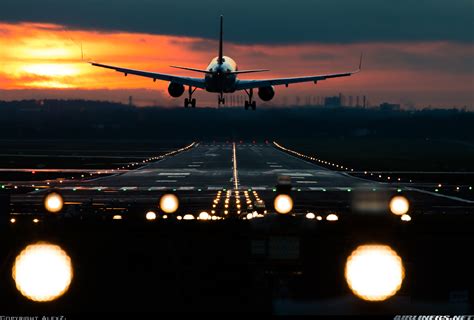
point(332, 217)
point(310, 215)
point(169, 203)
point(399, 205)
point(53, 202)
point(374, 272)
point(283, 203)
point(42, 272)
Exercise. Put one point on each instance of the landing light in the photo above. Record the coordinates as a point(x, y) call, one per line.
point(283, 203)
point(42, 272)
point(53, 202)
point(169, 203)
point(374, 272)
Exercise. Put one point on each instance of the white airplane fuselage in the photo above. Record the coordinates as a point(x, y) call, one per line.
point(221, 79)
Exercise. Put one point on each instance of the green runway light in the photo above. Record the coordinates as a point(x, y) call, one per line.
point(199, 189)
point(3, 187)
point(174, 189)
point(470, 188)
point(99, 189)
point(436, 190)
point(374, 189)
point(36, 189)
point(349, 190)
point(299, 189)
point(274, 190)
point(74, 189)
point(324, 190)
point(399, 190)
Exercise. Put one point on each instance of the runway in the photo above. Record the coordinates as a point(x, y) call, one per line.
point(199, 173)
point(210, 167)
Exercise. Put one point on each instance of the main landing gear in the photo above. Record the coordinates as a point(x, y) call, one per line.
point(220, 99)
point(190, 101)
point(250, 103)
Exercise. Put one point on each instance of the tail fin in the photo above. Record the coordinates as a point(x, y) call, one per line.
point(220, 59)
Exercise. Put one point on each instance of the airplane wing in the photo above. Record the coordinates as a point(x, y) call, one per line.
point(188, 81)
point(249, 84)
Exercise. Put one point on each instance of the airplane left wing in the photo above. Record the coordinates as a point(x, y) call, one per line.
point(249, 84)
point(188, 81)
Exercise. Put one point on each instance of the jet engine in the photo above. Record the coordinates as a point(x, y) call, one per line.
point(266, 93)
point(175, 89)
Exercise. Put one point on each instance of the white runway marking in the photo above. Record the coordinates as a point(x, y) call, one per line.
point(260, 188)
point(166, 181)
point(128, 188)
point(275, 166)
point(297, 174)
point(306, 181)
point(174, 173)
point(186, 188)
point(214, 188)
point(157, 188)
point(194, 165)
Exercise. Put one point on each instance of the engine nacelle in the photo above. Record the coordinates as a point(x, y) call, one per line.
point(175, 89)
point(266, 93)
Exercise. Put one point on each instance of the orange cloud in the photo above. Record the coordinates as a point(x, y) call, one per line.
point(48, 56)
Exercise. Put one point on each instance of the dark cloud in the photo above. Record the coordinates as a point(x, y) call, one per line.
point(270, 21)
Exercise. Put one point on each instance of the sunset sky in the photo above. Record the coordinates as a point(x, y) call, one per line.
point(418, 54)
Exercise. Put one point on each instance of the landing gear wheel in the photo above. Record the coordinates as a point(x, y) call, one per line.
point(186, 102)
point(254, 105)
point(193, 103)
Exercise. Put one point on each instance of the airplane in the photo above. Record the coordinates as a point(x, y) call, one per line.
point(220, 77)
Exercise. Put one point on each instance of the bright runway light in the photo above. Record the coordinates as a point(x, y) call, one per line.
point(405, 218)
point(310, 215)
point(53, 202)
point(332, 217)
point(399, 205)
point(283, 203)
point(117, 217)
point(204, 216)
point(150, 215)
point(12, 220)
point(42, 272)
point(188, 217)
point(374, 272)
point(249, 216)
point(169, 203)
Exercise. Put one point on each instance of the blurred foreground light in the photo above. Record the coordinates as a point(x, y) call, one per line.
point(405, 218)
point(374, 272)
point(399, 205)
point(12, 220)
point(332, 217)
point(42, 272)
point(204, 216)
point(53, 202)
point(169, 203)
point(310, 215)
point(283, 203)
point(150, 215)
point(188, 217)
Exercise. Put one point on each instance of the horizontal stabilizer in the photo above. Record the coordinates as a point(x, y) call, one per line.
point(191, 69)
point(249, 71)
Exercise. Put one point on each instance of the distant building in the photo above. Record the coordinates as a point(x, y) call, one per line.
point(332, 101)
point(389, 107)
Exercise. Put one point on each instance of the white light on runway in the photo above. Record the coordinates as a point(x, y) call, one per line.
point(53, 202)
point(204, 216)
point(188, 217)
point(310, 215)
point(332, 217)
point(150, 215)
point(374, 272)
point(283, 203)
point(399, 205)
point(42, 272)
point(405, 218)
point(169, 203)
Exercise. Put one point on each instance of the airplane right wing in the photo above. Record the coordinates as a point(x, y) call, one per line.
point(188, 81)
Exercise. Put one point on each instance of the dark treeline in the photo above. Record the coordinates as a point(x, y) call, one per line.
point(94, 119)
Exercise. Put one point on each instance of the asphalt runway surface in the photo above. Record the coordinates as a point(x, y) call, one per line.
point(198, 174)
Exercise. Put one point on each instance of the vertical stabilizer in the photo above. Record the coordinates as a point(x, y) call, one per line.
point(220, 58)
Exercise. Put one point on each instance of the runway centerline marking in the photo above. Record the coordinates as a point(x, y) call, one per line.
point(234, 161)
